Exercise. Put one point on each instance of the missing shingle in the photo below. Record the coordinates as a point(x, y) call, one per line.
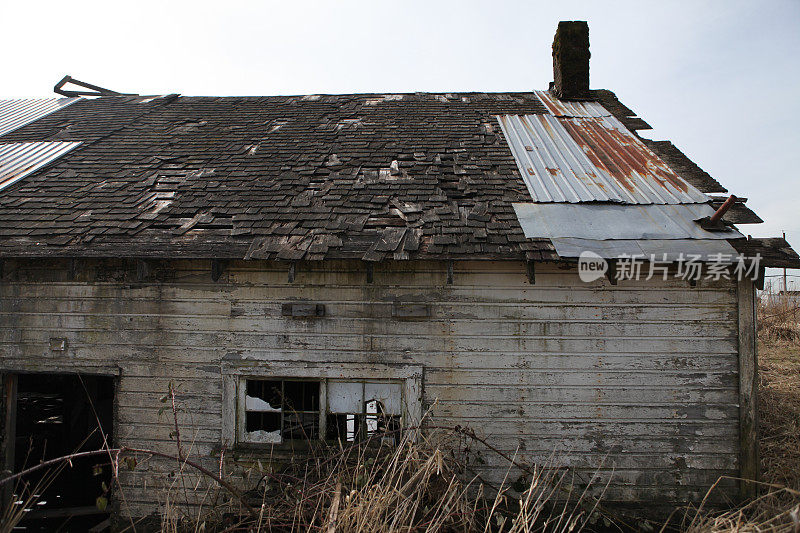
point(349, 123)
point(188, 126)
point(384, 98)
point(275, 125)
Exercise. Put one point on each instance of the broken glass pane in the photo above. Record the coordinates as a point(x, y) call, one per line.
point(387, 393)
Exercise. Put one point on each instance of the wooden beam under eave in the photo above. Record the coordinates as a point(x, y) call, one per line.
point(748, 390)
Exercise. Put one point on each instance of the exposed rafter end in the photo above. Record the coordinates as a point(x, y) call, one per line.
point(292, 271)
point(530, 269)
point(370, 271)
point(143, 270)
point(217, 268)
point(450, 272)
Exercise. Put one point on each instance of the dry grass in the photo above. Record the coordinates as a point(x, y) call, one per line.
point(421, 484)
point(779, 392)
point(768, 513)
point(779, 407)
point(778, 323)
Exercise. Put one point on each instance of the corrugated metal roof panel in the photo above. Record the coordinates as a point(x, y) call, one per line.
point(615, 221)
point(590, 160)
point(16, 113)
point(18, 160)
point(564, 108)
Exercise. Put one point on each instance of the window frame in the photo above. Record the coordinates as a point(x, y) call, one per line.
point(234, 377)
point(241, 409)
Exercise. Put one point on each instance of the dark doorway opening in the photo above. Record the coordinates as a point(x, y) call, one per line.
point(58, 415)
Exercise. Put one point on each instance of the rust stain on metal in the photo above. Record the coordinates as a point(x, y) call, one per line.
point(624, 156)
point(584, 154)
point(719, 213)
point(550, 104)
point(561, 108)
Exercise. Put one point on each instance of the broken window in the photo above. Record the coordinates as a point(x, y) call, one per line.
point(357, 410)
point(277, 410)
point(273, 411)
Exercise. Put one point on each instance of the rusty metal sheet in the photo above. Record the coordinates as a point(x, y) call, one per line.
point(18, 160)
point(16, 113)
point(564, 108)
point(590, 159)
point(616, 221)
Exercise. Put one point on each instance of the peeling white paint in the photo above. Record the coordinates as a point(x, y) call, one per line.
point(530, 366)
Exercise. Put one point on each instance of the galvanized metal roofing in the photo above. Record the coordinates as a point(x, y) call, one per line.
point(16, 113)
point(580, 158)
point(712, 250)
point(615, 230)
point(17, 160)
point(616, 221)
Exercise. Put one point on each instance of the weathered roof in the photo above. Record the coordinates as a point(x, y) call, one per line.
point(367, 176)
point(591, 159)
point(364, 176)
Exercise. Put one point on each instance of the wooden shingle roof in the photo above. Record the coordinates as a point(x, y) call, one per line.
point(359, 176)
point(365, 176)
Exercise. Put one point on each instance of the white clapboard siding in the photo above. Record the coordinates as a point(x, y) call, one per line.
point(639, 379)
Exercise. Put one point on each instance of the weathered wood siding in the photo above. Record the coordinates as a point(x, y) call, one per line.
point(641, 377)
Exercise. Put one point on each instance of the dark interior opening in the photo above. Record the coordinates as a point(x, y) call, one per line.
point(289, 406)
point(359, 426)
point(58, 415)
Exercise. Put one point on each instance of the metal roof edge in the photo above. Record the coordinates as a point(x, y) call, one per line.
point(18, 160)
point(14, 114)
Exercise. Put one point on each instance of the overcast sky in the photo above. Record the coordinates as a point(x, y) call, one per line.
point(720, 79)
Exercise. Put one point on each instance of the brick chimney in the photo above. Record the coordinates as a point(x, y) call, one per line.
point(571, 60)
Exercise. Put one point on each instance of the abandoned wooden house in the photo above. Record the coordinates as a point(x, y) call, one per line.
point(296, 267)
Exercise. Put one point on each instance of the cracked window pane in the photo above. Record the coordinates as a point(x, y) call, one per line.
point(277, 410)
